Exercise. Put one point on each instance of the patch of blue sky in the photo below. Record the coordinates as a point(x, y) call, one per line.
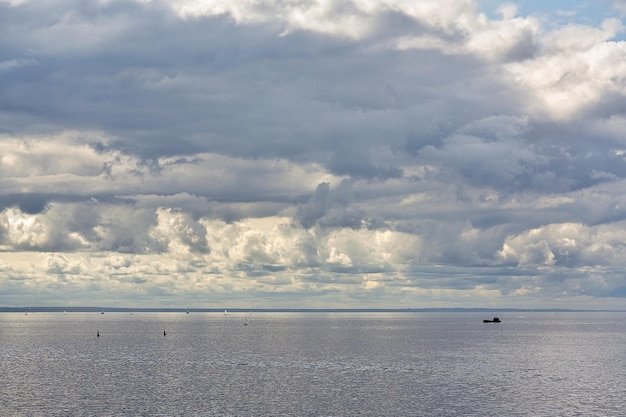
point(559, 12)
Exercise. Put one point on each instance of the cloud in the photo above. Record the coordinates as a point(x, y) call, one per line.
point(620, 6)
point(14, 64)
point(577, 68)
point(317, 153)
point(572, 245)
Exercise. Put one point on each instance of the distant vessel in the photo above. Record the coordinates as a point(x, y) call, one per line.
point(494, 320)
point(225, 312)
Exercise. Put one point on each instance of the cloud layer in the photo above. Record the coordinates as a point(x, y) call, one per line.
point(384, 153)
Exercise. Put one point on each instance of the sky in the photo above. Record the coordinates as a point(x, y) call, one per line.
point(313, 154)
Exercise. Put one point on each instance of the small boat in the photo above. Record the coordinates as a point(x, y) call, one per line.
point(494, 320)
point(225, 312)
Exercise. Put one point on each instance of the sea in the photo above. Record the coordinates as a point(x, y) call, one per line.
point(313, 364)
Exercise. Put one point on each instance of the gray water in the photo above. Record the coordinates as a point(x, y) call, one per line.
point(312, 364)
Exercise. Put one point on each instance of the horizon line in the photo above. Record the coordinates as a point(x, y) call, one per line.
point(100, 309)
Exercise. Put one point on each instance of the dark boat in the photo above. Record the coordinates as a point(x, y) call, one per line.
point(494, 320)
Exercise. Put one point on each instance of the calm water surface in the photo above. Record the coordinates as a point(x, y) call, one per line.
point(312, 364)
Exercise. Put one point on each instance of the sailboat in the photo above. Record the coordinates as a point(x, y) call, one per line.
point(225, 312)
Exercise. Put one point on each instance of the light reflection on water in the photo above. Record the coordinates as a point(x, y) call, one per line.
point(312, 364)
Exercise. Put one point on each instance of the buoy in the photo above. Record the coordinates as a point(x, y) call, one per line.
point(98, 333)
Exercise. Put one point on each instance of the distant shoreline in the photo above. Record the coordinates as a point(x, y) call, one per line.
point(292, 310)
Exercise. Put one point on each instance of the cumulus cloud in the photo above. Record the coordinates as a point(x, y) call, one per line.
point(578, 67)
point(322, 153)
point(572, 245)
